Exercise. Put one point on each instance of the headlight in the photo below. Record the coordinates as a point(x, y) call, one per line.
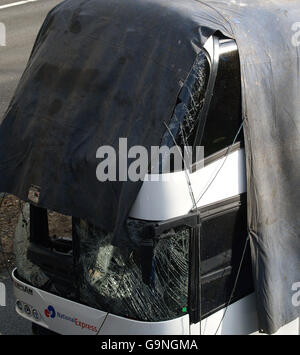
point(19, 305)
point(27, 310)
point(36, 314)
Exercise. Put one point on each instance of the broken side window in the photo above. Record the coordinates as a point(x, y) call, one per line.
point(183, 124)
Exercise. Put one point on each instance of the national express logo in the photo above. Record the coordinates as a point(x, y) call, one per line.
point(51, 313)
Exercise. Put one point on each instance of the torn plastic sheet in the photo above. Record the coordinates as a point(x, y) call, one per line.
point(111, 278)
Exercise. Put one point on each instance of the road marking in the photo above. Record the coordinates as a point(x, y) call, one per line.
point(2, 295)
point(16, 4)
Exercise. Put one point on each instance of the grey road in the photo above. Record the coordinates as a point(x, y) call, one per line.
point(22, 23)
point(10, 322)
point(22, 20)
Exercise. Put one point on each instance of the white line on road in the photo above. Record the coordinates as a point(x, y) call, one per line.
point(16, 4)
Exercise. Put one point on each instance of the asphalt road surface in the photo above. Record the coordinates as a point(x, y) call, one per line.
point(22, 21)
point(10, 322)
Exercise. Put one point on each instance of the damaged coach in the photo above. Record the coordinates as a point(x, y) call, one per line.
point(176, 252)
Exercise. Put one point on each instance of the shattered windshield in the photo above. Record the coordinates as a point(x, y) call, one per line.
point(111, 278)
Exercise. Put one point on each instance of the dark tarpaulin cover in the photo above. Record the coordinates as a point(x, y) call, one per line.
point(102, 69)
